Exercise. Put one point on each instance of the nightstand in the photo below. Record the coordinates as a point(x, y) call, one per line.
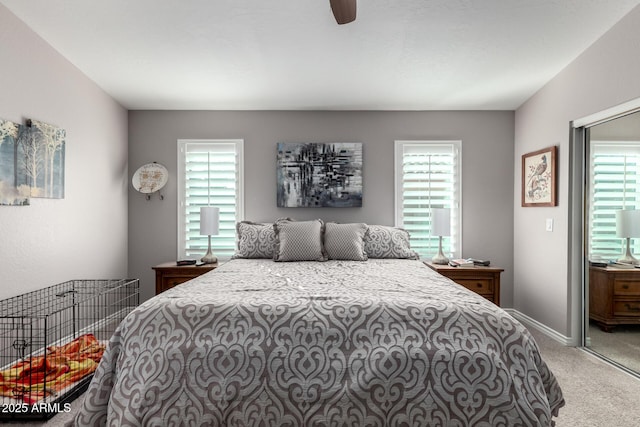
point(614, 296)
point(484, 281)
point(169, 274)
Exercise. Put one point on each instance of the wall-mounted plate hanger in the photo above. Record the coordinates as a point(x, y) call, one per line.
point(150, 178)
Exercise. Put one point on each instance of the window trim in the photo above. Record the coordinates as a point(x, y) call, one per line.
point(457, 200)
point(603, 147)
point(181, 143)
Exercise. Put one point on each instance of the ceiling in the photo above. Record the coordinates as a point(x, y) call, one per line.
point(291, 54)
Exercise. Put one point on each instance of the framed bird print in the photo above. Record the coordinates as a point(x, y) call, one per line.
point(539, 177)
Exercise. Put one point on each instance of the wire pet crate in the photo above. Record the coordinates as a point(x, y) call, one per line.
point(51, 341)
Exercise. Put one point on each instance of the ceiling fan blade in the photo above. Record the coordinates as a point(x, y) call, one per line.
point(343, 10)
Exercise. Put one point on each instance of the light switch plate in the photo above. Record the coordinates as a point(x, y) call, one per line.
point(549, 224)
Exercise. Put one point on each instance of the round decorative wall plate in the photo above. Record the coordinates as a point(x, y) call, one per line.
point(150, 178)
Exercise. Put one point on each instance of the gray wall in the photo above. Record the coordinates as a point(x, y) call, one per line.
point(84, 235)
point(625, 128)
point(605, 75)
point(487, 171)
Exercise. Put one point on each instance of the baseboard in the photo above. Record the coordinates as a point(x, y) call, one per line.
point(530, 322)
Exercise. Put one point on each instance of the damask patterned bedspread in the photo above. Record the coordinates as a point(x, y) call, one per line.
point(336, 343)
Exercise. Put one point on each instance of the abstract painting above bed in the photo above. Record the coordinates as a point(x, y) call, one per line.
point(384, 342)
point(315, 175)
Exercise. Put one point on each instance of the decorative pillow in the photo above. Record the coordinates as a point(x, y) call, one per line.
point(345, 241)
point(299, 240)
point(255, 240)
point(388, 242)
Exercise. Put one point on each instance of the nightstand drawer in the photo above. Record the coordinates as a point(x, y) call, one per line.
point(169, 275)
point(479, 286)
point(626, 287)
point(626, 308)
point(485, 281)
point(171, 281)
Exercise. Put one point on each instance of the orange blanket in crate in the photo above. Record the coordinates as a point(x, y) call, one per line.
point(32, 379)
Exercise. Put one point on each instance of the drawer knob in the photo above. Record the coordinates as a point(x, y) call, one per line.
point(633, 308)
point(625, 286)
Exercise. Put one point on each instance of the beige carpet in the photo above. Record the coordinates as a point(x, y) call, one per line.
point(597, 394)
point(622, 345)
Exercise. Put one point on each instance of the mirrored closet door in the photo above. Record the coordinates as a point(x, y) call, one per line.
point(612, 209)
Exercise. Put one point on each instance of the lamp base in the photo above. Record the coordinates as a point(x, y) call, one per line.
point(440, 259)
point(628, 258)
point(209, 257)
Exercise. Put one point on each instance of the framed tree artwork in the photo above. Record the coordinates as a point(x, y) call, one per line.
point(12, 191)
point(539, 181)
point(43, 159)
point(31, 162)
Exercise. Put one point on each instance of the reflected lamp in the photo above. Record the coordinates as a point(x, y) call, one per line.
point(628, 227)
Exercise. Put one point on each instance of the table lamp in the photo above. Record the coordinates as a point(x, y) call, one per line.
point(440, 226)
point(209, 219)
point(628, 226)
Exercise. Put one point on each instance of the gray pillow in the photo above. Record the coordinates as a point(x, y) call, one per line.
point(388, 242)
point(255, 240)
point(345, 241)
point(299, 240)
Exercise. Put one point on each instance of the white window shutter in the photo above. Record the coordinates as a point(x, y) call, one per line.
point(614, 185)
point(210, 174)
point(427, 177)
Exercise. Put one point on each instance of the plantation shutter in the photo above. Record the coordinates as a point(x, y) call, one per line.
point(614, 185)
point(427, 177)
point(211, 176)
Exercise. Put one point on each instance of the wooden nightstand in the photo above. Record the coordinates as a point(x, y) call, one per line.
point(169, 274)
point(614, 296)
point(484, 281)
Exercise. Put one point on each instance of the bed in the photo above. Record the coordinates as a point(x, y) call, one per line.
point(321, 324)
point(381, 342)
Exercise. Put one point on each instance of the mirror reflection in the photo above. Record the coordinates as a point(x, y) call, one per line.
point(613, 215)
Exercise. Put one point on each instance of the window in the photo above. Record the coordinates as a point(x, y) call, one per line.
point(614, 185)
point(427, 175)
point(209, 173)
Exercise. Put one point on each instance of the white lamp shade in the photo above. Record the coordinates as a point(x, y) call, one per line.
point(628, 223)
point(440, 222)
point(209, 219)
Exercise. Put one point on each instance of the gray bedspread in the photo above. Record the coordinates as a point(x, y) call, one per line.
point(336, 343)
